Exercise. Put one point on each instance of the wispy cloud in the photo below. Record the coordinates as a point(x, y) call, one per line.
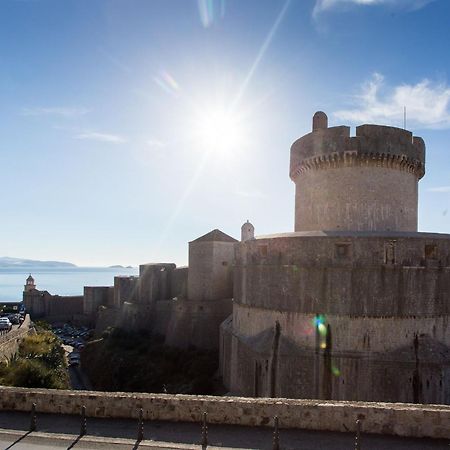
point(427, 104)
point(100, 137)
point(61, 111)
point(155, 143)
point(326, 5)
point(442, 189)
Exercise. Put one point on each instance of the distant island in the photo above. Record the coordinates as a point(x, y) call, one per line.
point(19, 263)
point(6, 262)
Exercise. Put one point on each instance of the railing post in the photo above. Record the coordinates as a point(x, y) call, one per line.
point(140, 436)
point(358, 435)
point(33, 421)
point(276, 434)
point(83, 428)
point(204, 431)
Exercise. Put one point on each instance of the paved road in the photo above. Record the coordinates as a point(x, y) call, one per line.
point(78, 379)
point(219, 435)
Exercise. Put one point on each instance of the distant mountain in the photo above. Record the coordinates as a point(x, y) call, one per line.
point(118, 266)
point(7, 262)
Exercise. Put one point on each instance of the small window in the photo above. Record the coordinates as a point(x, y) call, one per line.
point(389, 252)
point(342, 251)
point(263, 250)
point(225, 263)
point(430, 251)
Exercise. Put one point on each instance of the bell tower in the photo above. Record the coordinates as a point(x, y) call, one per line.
point(29, 284)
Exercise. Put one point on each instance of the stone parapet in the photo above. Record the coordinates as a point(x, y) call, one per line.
point(373, 145)
point(399, 419)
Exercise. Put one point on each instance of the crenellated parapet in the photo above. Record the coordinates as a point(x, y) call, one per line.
point(362, 182)
point(373, 145)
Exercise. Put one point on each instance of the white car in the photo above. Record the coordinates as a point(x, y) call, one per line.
point(5, 324)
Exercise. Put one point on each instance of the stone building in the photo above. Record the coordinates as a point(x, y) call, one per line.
point(353, 305)
point(185, 305)
point(54, 308)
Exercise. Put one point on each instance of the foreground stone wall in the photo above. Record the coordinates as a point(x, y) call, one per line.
point(381, 418)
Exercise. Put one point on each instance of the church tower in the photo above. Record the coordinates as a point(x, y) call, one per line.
point(29, 285)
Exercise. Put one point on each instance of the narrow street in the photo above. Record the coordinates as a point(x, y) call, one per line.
point(78, 379)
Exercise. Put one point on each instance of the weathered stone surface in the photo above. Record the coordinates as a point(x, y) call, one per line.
point(354, 305)
point(366, 182)
point(382, 418)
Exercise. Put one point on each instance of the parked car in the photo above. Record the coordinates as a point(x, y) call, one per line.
point(5, 324)
point(14, 319)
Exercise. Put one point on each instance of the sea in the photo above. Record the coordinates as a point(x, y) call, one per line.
point(57, 281)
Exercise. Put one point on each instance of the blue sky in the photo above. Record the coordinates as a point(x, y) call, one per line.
point(107, 107)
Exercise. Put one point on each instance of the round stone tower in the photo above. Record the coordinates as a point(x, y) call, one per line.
point(368, 182)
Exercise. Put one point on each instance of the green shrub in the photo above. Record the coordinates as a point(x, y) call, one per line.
point(40, 362)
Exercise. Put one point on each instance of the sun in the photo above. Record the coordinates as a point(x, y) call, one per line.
point(218, 131)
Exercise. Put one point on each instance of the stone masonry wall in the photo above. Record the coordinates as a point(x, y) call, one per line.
point(396, 274)
point(9, 343)
point(210, 270)
point(356, 198)
point(381, 418)
point(365, 182)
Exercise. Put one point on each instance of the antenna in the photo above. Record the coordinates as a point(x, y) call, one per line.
point(404, 117)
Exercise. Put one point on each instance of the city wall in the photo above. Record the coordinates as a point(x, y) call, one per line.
point(378, 275)
point(380, 418)
point(9, 343)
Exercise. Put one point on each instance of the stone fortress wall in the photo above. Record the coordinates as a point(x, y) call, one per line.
point(54, 308)
point(354, 305)
point(380, 418)
point(186, 305)
point(375, 187)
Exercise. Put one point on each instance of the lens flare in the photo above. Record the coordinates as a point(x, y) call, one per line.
point(211, 11)
point(318, 320)
point(322, 329)
point(167, 83)
point(335, 371)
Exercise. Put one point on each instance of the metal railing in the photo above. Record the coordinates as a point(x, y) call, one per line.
point(203, 435)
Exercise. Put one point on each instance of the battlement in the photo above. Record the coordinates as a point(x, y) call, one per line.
point(373, 145)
